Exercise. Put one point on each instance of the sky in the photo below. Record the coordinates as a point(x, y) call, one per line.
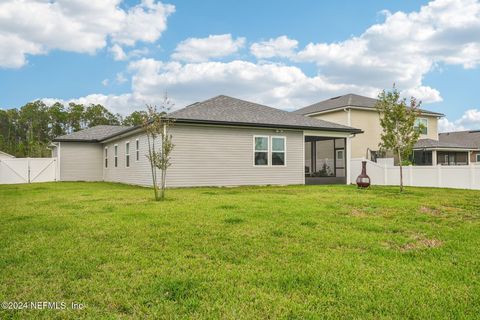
point(285, 54)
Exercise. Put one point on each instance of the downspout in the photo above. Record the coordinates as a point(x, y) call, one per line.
point(348, 149)
point(349, 116)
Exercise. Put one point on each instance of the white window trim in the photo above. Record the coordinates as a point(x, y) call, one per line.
point(426, 126)
point(268, 152)
point(284, 151)
point(115, 155)
point(105, 158)
point(127, 154)
point(137, 150)
point(478, 157)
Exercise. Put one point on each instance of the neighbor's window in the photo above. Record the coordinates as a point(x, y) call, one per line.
point(106, 157)
point(137, 150)
point(278, 151)
point(261, 151)
point(340, 154)
point(424, 123)
point(127, 154)
point(478, 157)
point(116, 156)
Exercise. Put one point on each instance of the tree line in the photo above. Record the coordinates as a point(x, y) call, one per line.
point(28, 130)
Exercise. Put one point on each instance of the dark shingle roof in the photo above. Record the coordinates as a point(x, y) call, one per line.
point(353, 100)
point(220, 110)
point(228, 110)
point(471, 137)
point(436, 144)
point(93, 134)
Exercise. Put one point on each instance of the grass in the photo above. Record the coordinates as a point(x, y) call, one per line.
point(291, 252)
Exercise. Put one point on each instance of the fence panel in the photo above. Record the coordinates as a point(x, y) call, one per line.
point(385, 173)
point(28, 170)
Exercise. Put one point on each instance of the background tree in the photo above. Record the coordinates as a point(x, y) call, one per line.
point(398, 122)
point(28, 131)
point(157, 124)
point(135, 118)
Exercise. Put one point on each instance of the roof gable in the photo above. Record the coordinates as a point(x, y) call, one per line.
point(348, 100)
point(228, 110)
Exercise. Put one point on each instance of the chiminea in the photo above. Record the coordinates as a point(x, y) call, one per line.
point(363, 180)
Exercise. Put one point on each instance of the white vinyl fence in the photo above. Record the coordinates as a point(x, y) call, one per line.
point(385, 173)
point(28, 170)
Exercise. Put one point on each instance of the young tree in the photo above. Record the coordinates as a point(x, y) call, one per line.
point(157, 124)
point(398, 122)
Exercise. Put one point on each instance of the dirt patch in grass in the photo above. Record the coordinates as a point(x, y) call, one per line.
point(430, 211)
point(358, 213)
point(420, 242)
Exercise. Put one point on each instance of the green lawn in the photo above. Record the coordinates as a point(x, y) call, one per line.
point(291, 252)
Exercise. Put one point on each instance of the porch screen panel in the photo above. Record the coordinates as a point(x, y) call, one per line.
point(325, 163)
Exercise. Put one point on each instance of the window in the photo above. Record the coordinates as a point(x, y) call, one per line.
point(423, 122)
point(116, 156)
point(106, 157)
point(137, 150)
point(340, 155)
point(127, 154)
point(261, 151)
point(278, 151)
point(478, 157)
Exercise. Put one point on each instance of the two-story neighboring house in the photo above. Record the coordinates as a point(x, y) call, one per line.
point(360, 112)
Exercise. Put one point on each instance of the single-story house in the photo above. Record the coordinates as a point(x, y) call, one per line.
point(429, 152)
point(470, 137)
point(4, 155)
point(222, 141)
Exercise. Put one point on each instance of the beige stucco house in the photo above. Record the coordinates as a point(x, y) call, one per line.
point(221, 141)
point(360, 112)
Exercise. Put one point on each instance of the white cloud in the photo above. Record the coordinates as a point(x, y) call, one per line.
point(123, 104)
point(404, 47)
point(105, 82)
point(401, 50)
point(120, 78)
point(118, 53)
point(277, 85)
point(423, 93)
point(203, 49)
point(31, 27)
point(469, 120)
point(278, 47)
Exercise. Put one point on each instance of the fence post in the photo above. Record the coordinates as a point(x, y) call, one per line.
point(439, 176)
point(28, 170)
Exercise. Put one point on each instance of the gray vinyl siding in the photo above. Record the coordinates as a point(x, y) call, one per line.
point(80, 161)
point(210, 156)
point(138, 173)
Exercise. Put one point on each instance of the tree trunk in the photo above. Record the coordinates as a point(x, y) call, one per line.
point(401, 171)
point(152, 167)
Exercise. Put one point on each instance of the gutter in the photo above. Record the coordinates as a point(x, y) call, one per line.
point(212, 122)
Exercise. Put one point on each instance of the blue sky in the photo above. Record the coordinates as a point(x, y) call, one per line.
point(286, 54)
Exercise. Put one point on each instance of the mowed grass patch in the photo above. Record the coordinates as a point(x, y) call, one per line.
point(247, 252)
